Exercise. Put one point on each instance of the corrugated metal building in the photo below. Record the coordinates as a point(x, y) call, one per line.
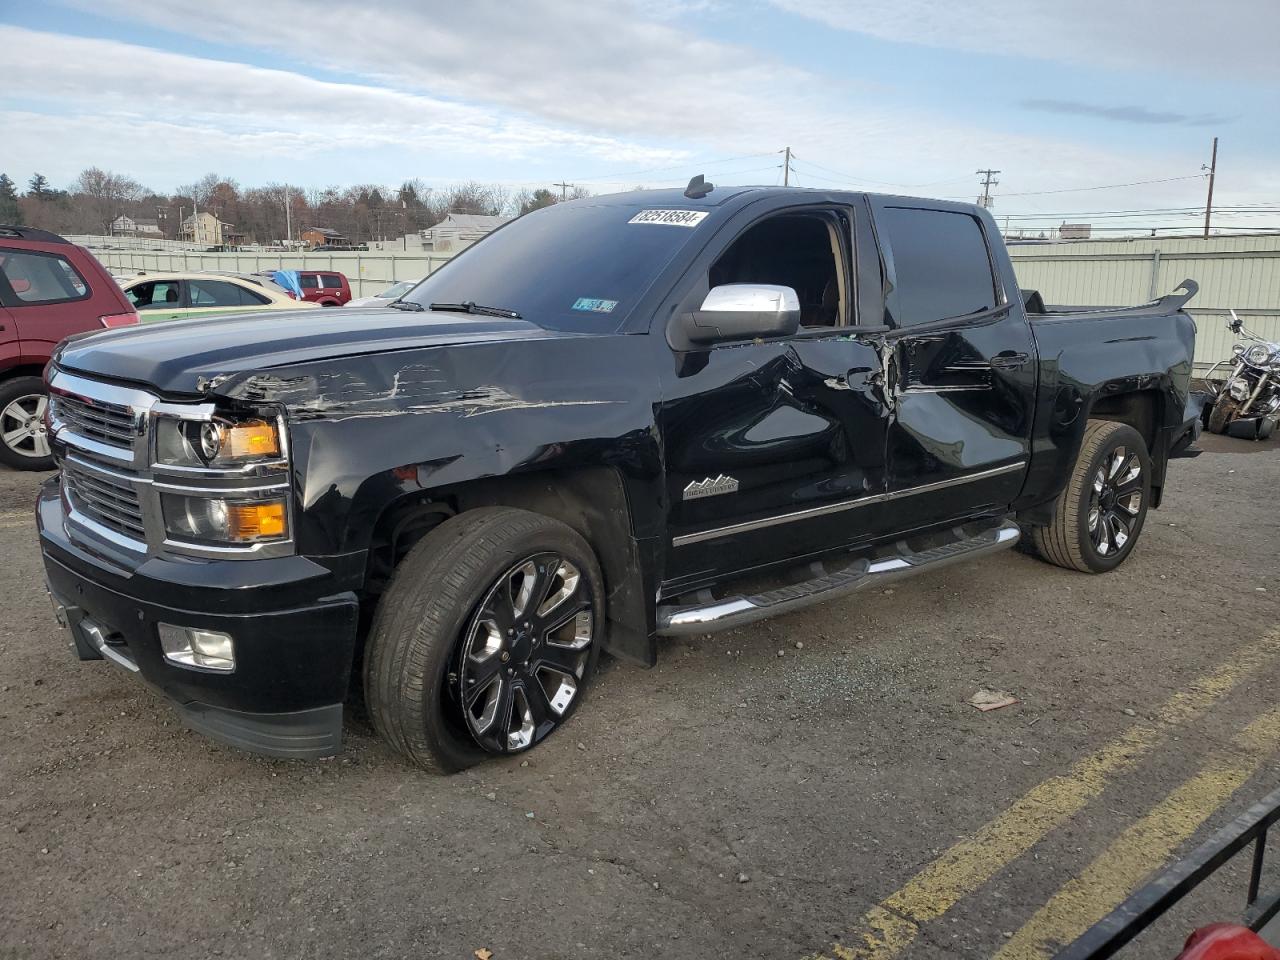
point(1233, 272)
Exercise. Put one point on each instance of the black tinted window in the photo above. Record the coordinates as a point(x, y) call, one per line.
point(219, 293)
point(574, 266)
point(331, 280)
point(941, 263)
point(309, 281)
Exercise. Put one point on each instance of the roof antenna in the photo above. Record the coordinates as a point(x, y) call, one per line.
point(698, 188)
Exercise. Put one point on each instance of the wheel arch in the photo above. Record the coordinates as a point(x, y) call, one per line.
point(1145, 411)
point(1143, 407)
point(591, 500)
point(22, 370)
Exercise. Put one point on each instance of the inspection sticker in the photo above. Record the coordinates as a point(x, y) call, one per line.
point(670, 218)
point(594, 306)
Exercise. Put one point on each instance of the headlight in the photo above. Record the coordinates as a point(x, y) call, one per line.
point(1258, 355)
point(1238, 389)
point(220, 442)
point(225, 522)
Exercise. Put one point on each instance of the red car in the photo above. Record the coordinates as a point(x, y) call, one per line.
point(49, 289)
point(325, 287)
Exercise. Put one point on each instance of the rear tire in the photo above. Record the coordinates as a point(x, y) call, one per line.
point(1099, 515)
point(463, 662)
point(1224, 411)
point(24, 444)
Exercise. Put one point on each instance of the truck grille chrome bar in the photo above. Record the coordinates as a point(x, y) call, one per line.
point(102, 497)
point(110, 423)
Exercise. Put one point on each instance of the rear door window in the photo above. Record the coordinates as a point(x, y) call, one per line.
point(331, 281)
point(309, 281)
point(220, 293)
point(941, 264)
point(32, 278)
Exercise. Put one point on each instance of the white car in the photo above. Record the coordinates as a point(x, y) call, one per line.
point(158, 295)
point(387, 296)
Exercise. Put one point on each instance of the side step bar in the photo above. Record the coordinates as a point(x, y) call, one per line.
point(676, 621)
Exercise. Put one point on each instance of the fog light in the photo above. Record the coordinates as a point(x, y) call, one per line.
point(203, 649)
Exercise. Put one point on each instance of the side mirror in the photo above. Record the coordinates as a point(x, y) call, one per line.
point(743, 311)
point(1235, 324)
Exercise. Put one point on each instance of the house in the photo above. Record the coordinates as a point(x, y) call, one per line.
point(323, 237)
point(123, 226)
point(453, 233)
point(205, 229)
point(458, 230)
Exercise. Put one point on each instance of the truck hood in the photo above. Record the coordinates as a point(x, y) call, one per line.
point(183, 356)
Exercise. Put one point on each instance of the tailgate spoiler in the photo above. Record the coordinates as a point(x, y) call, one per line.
point(1169, 303)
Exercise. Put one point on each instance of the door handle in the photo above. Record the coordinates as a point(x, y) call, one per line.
point(1009, 360)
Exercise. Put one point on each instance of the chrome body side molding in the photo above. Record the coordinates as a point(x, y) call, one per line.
point(829, 508)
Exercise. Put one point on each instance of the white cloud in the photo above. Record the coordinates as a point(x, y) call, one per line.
point(135, 83)
point(615, 84)
point(604, 66)
point(1174, 36)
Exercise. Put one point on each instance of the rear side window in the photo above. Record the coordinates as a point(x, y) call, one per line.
point(32, 278)
point(220, 293)
point(309, 281)
point(941, 262)
point(331, 280)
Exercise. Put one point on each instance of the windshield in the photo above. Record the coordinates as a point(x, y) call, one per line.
point(398, 290)
point(566, 267)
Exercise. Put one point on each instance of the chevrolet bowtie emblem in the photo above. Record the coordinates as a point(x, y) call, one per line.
point(710, 487)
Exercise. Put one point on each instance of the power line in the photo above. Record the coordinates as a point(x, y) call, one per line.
point(685, 165)
point(847, 177)
point(1105, 186)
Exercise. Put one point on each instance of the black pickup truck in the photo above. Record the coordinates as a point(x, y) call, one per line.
point(657, 413)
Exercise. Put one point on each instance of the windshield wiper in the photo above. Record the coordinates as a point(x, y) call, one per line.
point(407, 305)
point(470, 306)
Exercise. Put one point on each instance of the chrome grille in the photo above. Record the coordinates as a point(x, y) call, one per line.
point(100, 420)
point(108, 498)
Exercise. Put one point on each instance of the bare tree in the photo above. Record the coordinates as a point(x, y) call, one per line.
point(103, 195)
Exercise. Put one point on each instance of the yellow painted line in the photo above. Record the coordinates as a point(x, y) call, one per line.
point(1145, 846)
point(891, 926)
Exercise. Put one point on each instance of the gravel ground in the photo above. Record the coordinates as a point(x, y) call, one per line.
point(752, 796)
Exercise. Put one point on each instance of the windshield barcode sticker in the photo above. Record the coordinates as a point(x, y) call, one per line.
point(591, 305)
point(670, 218)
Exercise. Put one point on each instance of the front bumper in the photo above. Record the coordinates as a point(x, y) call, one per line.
point(293, 624)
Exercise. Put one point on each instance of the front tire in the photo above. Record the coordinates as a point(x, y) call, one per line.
point(24, 443)
point(1224, 411)
point(485, 638)
point(1099, 515)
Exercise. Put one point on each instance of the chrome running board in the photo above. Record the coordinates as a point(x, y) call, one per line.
point(682, 620)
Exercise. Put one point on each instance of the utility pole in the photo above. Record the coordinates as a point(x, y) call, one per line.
point(564, 190)
point(786, 166)
point(288, 220)
point(988, 182)
point(1208, 203)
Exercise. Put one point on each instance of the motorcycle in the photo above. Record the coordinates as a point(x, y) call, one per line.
point(1247, 405)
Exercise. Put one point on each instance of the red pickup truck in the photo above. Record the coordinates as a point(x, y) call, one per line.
point(49, 289)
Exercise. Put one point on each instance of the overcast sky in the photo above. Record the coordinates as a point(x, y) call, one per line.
point(907, 96)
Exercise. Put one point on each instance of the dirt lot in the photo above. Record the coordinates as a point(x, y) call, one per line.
point(817, 784)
